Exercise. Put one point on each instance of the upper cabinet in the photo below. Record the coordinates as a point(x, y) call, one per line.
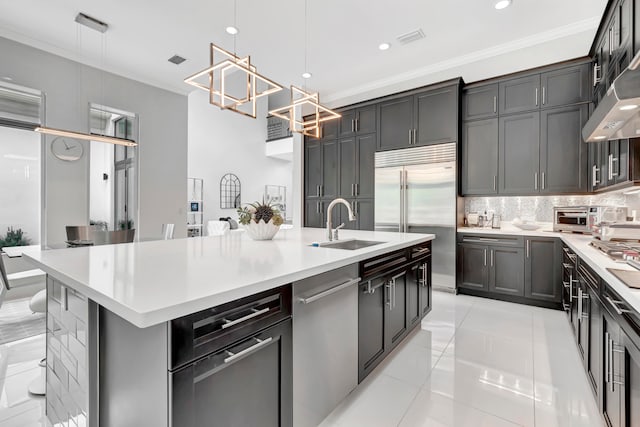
point(480, 102)
point(358, 121)
point(565, 86)
point(519, 95)
point(426, 118)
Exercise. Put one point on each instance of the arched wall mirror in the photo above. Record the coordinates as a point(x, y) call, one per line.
point(230, 192)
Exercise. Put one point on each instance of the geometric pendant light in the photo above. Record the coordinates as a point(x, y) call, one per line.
point(304, 103)
point(215, 80)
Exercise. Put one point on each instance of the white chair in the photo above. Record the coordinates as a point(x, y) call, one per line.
point(217, 228)
point(167, 231)
point(37, 304)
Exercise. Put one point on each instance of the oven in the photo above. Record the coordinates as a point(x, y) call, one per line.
point(574, 219)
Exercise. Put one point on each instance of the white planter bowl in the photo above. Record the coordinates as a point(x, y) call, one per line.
point(261, 230)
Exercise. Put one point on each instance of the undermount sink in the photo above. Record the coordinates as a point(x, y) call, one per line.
point(349, 244)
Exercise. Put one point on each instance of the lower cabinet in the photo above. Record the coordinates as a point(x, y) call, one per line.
point(612, 398)
point(393, 297)
point(526, 270)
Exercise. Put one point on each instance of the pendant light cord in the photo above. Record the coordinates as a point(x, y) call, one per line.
point(306, 33)
point(235, 24)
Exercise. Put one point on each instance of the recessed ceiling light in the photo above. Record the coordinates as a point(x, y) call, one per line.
point(628, 107)
point(599, 137)
point(306, 75)
point(231, 30)
point(384, 46)
point(502, 4)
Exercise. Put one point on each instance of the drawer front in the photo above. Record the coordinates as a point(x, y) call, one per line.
point(492, 239)
point(199, 334)
point(420, 252)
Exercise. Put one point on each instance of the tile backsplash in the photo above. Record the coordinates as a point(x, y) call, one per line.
point(540, 208)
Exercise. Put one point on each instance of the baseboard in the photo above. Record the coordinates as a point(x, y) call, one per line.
point(511, 298)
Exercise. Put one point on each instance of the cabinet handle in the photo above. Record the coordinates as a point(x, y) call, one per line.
point(64, 297)
point(410, 133)
point(414, 137)
point(330, 291)
point(596, 74)
point(317, 207)
point(536, 97)
point(353, 191)
point(317, 191)
point(612, 161)
point(357, 188)
point(535, 181)
point(594, 176)
point(357, 125)
point(610, 41)
point(260, 343)
point(579, 304)
point(256, 313)
point(492, 258)
point(528, 247)
point(607, 360)
point(388, 302)
point(610, 167)
point(495, 104)
point(495, 183)
point(485, 257)
point(544, 95)
point(543, 181)
point(353, 125)
point(567, 266)
point(618, 310)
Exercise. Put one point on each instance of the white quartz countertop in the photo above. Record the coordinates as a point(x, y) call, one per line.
point(579, 243)
point(148, 283)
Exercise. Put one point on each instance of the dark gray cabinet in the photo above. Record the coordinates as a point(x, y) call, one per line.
point(473, 273)
point(436, 118)
point(396, 124)
point(612, 398)
point(428, 117)
point(365, 166)
point(543, 275)
point(563, 154)
point(480, 157)
point(348, 161)
point(419, 292)
point(519, 95)
point(371, 326)
point(364, 210)
point(313, 213)
point(396, 323)
point(329, 187)
point(593, 325)
point(519, 153)
point(358, 121)
point(630, 378)
point(480, 102)
point(506, 270)
point(313, 169)
point(565, 86)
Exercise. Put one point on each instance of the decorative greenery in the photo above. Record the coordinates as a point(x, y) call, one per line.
point(125, 224)
point(257, 211)
point(14, 238)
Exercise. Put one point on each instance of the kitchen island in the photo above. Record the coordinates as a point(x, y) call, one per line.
point(126, 322)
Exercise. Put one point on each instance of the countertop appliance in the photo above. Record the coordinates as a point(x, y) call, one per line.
point(605, 214)
point(618, 113)
point(629, 231)
point(416, 193)
point(571, 218)
point(325, 343)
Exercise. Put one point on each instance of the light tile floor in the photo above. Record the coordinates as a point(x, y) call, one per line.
point(473, 363)
point(477, 363)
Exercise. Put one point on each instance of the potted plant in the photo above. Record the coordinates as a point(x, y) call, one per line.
point(14, 238)
point(261, 220)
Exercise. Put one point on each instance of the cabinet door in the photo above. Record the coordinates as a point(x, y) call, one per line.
point(506, 272)
point(518, 95)
point(519, 154)
point(371, 330)
point(312, 168)
point(631, 380)
point(596, 179)
point(480, 157)
point(617, 158)
point(543, 269)
point(414, 290)
point(565, 86)
point(329, 187)
point(313, 216)
point(611, 392)
point(582, 335)
point(436, 118)
point(364, 210)
point(480, 102)
point(426, 295)
point(366, 120)
point(329, 129)
point(366, 150)
point(396, 308)
point(593, 346)
point(347, 167)
point(396, 123)
point(347, 123)
point(626, 27)
point(473, 272)
point(563, 154)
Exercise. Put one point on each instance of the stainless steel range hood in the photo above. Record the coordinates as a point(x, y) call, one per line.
point(618, 113)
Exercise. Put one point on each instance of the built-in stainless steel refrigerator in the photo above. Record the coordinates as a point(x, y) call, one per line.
point(416, 193)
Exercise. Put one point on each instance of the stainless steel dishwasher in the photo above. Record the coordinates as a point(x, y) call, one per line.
point(325, 343)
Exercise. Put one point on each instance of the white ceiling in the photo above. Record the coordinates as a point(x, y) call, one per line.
point(463, 37)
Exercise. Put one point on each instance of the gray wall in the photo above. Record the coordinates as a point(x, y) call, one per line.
point(69, 88)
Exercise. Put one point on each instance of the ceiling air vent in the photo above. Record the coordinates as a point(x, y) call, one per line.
point(177, 59)
point(93, 23)
point(411, 36)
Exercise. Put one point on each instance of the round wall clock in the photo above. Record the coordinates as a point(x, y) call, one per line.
point(67, 149)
